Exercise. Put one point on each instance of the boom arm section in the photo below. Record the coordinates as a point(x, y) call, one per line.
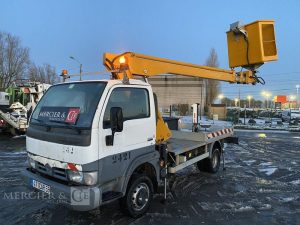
point(127, 65)
point(133, 64)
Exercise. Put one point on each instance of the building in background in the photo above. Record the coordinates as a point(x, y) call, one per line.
point(174, 90)
point(285, 102)
point(218, 111)
point(279, 101)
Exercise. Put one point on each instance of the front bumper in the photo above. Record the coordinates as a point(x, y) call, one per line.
point(79, 198)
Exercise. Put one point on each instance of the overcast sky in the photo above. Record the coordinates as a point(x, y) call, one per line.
point(180, 30)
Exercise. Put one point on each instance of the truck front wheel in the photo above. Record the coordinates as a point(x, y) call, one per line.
point(138, 196)
point(212, 164)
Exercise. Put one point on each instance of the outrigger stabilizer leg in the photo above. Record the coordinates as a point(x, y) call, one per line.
point(164, 169)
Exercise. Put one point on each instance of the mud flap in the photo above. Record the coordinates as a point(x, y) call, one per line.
point(232, 140)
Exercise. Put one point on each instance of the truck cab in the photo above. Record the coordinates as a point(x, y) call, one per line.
point(96, 138)
point(4, 101)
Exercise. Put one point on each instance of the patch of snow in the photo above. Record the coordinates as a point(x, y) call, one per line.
point(262, 190)
point(295, 182)
point(265, 207)
point(249, 162)
point(244, 209)
point(263, 181)
point(268, 171)
point(265, 164)
point(19, 136)
point(287, 199)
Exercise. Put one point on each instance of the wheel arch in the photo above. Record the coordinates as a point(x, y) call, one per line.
point(143, 165)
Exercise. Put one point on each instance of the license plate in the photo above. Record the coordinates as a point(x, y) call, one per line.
point(40, 186)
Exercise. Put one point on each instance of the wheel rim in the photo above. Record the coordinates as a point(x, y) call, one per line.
point(215, 159)
point(140, 196)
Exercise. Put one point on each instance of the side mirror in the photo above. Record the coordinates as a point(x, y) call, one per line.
point(116, 119)
point(116, 124)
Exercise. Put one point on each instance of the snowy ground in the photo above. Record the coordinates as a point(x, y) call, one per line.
point(261, 185)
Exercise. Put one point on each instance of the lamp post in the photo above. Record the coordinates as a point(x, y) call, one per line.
point(291, 99)
point(249, 100)
point(297, 87)
point(236, 101)
point(266, 94)
point(221, 96)
point(80, 67)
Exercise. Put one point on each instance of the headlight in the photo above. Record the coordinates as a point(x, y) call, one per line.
point(31, 162)
point(90, 178)
point(87, 178)
point(75, 176)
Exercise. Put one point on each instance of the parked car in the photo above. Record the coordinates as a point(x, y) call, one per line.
point(290, 114)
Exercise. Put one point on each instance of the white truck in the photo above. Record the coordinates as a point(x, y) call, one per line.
point(94, 142)
point(17, 103)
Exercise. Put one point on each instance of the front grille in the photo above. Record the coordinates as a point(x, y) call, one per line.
point(58, 173)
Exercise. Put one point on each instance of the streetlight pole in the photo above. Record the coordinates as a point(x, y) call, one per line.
point(266, 94)
point(80, 67)
point(236, 101)
point(221, 96)
point(249, 99)
point(297, 86)
point(80, 72)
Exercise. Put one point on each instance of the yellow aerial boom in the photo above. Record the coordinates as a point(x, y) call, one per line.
point(249, 46)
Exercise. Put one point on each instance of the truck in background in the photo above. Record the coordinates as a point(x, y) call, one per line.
point(17, 103)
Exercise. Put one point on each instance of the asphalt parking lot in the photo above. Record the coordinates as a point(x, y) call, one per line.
point(261, 185)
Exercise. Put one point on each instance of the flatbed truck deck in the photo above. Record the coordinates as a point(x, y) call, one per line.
point(186, 148)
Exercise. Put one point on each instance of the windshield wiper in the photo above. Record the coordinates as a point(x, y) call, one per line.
point(42, 122)
point(38, 120)
point(71, 126)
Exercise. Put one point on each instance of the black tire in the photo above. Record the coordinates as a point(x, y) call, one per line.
point(212, 164)
point(13, 131)
point(138, 196)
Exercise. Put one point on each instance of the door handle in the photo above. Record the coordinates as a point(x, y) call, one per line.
point(150, 139)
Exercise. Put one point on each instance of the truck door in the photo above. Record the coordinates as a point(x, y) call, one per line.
point(139, 120)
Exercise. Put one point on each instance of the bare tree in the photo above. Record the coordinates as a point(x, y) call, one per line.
point(212, 86)
point(14, 59)
point(44, 74)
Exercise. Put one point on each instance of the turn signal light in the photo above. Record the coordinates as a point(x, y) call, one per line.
point(122, 60)
point(64, 72)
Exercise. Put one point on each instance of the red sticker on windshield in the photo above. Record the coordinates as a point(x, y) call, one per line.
point(72, 115)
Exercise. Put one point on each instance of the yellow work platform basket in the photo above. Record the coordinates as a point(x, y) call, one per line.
point(251, 45)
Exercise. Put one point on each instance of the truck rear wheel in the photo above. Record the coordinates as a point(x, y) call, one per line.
point(212, 164)
point(138, 196)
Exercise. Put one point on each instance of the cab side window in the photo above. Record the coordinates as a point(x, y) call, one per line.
point(133, 101)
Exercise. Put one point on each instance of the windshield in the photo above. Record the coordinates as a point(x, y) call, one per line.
point(69, 104)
